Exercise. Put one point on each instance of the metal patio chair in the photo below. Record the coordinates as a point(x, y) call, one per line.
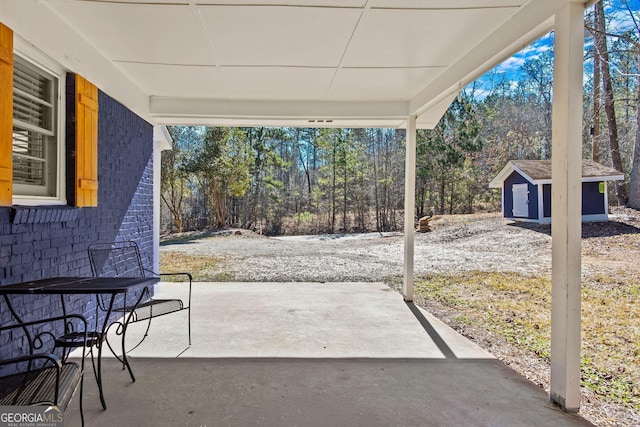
point(122, 259)
point(38, 376)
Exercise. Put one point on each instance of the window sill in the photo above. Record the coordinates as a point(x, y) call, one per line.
point(42, 214)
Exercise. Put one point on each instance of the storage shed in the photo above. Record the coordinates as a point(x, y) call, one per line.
point(526, 190)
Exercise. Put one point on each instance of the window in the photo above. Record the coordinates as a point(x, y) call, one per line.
point(32, 125)
point(38, 172)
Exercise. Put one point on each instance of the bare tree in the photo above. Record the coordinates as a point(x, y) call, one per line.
point(595, 133)
point(609, 106)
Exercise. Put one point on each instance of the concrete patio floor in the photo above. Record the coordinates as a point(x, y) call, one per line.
point(310, 354)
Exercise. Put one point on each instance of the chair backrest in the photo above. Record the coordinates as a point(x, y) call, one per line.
point(120, 259)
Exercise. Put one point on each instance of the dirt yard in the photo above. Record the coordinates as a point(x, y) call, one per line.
point(482, 242)
point(456, 245)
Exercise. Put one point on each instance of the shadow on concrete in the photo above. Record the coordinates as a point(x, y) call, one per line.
point(311, 354)
point(433, 334)
point(319, 392)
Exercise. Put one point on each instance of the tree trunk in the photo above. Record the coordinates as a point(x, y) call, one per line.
point(595, 134)
point(374, 151)
point(634, 184)
point(344, 196)
point(609, 107)
point(334, 172)
point(443, 189)
point(175, 210)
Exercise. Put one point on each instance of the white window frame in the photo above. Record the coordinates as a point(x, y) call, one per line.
point(41, 61)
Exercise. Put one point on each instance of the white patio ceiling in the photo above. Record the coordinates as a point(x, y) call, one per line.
point(285, 62)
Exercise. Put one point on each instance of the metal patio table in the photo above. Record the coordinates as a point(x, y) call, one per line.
point(110, 287)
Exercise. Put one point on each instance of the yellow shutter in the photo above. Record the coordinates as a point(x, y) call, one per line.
point(6, 115)
point(86, 143)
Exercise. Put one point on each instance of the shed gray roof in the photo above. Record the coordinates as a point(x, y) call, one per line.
point(539, 172)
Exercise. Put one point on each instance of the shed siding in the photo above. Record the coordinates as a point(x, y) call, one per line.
point(507, 208)
point(38, 242)
point(592, 199)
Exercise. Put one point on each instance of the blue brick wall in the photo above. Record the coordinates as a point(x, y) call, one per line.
point(39, 242)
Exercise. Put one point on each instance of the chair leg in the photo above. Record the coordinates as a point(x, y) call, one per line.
point(80, 399)
point(189, 321)
point(146, 333)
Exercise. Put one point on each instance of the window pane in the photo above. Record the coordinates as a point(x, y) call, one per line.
point(28, 111)
point(27, 143)
point(29, 156)
point(28, 171)
point(34, 136)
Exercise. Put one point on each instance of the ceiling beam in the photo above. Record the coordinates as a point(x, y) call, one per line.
point(164, 107)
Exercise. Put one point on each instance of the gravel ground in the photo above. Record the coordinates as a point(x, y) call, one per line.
point(456, 243)
point(483, 242)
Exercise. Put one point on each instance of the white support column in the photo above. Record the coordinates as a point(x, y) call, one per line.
point(157, 150)
point(409, 207)
point(566, 207)
point(161, 141)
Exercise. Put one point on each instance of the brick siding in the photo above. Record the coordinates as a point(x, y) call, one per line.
point(39, 242)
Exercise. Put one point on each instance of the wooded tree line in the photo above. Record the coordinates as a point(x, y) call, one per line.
point(284, 180)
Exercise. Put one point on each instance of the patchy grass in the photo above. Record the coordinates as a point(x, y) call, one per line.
point(518, 309)
point(203, 268)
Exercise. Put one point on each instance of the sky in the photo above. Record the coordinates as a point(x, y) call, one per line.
point(617, 16)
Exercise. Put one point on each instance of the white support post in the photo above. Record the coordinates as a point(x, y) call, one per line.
point(161, 141)
point(157, 159)
point(409, 207)
point(566, 207)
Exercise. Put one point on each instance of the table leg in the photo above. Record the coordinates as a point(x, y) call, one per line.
point(128, 319)
point(122, 330)
point(100, 345)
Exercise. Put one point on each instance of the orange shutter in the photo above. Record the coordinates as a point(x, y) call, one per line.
point(86, 143)
point(6, 115)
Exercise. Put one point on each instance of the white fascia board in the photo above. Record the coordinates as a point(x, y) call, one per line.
point(262, 122)
point(499, 179)
point(586, 179)
point(504, 174)
point(603, 178)
point(532, 21)
point(161, 138)
point(524, 175)
point(177, 110)
point(430, 118)
point(39, 25)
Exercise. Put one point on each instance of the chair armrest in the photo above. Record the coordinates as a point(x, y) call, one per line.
point(187, 275)
point(38, 338)
point(50, 357)
point(82, 320)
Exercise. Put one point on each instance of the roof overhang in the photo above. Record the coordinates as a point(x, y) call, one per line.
point(162, 138)
point(320, 63)
point(497, 182)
